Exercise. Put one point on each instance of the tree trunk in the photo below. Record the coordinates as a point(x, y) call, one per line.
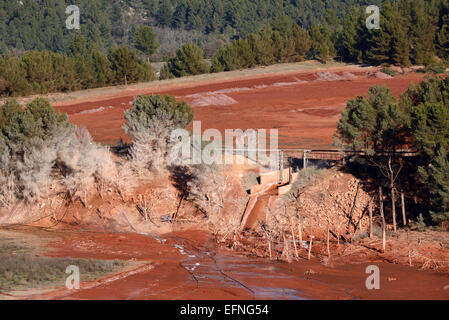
point(126, 81)
point(300, 233)
point(310, 248)
point(269, 247)
point(327, 242)
point(304, 160)
point(352, 210)
point(381, 207)
point(404, 217)
point(294, 240)
point(370, 210)
point(393, 206)
point(286, 251)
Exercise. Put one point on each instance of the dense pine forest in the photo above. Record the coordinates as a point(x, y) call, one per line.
point(38, 24)
point(117, 39)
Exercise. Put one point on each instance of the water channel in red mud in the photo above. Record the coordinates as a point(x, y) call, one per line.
point(189, 265)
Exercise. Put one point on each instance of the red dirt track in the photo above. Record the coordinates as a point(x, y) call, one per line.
point(304, 109)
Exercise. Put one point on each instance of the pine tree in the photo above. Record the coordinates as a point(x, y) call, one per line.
point(428, 104)
point(321, 43)
point(280, 50)
point(189, 60)
point(442, 36)
point(146, 40)
point(302, 41)
point(378, 126)
point(124, 64)
point(401, 48)
point(13, 77)
point(390, 44)
point(430, 127)
point(436, 178)
point(102, 69)
point(282, 23)
point(262, 47)
point(349, 38)
point(422, 33)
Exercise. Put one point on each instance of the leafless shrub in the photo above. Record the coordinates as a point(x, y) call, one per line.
point(126, 179)
point(68, 162)
point(327, 261)
point(8, 183)
point(87, 165)
point(171, 40)
point(28, 179)
point(151, 145)
point(287, 219)
point(249, 179)
point(35, 173)
point(214, 195)
point(28, 176)
point(206, 189)
point(147, 203)
point(148, 151)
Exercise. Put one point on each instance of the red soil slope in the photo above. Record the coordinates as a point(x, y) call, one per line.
point(303, 106)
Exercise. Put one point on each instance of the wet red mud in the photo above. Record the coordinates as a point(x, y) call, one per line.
point(189, 265)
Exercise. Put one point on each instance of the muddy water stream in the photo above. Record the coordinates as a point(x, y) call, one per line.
point(238, 272)
point(190, 265)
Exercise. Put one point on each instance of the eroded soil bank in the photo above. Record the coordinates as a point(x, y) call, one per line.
point(190, 265)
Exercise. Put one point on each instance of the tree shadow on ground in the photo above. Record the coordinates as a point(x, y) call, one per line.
point(180, 175)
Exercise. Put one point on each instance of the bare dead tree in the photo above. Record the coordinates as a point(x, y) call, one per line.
point(286, 250)
point(391, 174)
point(404, 216)
point(381, 208)
point(310, 247)
point(292, 230)
point(350, 220)
point(328, 235)
point(268, 236)
point(370, 210)
point(147, 204)
point(300, 231)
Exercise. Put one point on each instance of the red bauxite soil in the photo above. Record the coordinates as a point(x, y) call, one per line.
point(303, 108)
point(222, 274)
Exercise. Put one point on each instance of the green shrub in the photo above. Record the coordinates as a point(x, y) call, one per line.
point(39, 148)
point(29, 141)
point(389, 71)
point(165, 73)
point(20, 269)
point(264, 48)
point(151, 109)
point(189, 60)
point(306, 177)
point(435, 69)
point(150, 123)
point(22, 129)
point(420, 225)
